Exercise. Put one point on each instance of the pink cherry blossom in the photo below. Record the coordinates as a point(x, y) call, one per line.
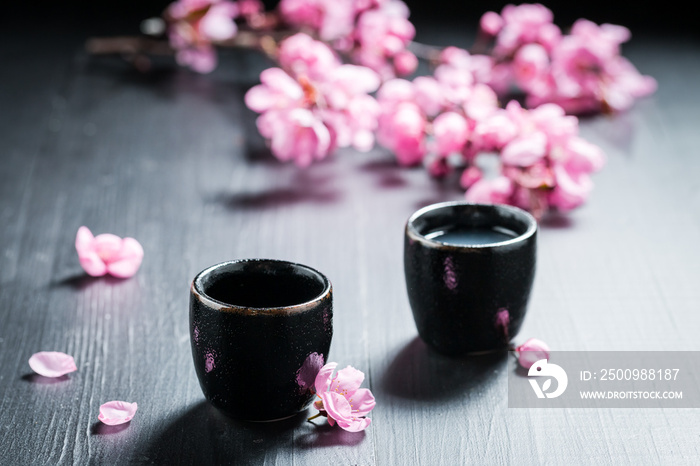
point(314, 104)
point(108, 254)
point(545, 164)
point(478, 66)
point(532, 351)
point(300, 55)
point(331, 19)
point(470, 176)
point(341, 398)
point(451, 132)
point(491, 23)
point(402, 130)
point(491, 191)
point(296, 134)
point(52, 363)
point(525, 150)
point(427, 93)
point(114, 413)
point(194, 25)
point(277, 91)
point(530, 66)
point(587, 67)
point(495, 131)
point(382, 36)
point(373, 33)
point(520, 25)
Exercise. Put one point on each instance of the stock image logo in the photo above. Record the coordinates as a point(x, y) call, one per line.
point(544, 369)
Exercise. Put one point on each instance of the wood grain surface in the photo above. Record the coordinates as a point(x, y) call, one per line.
point(173, 159)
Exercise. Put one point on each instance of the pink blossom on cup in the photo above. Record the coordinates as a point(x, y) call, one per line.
point(108, 254)
point(114, 413)
point(52, 363)
point(195, 25)
point(306, 374)
point(342, 400)
point(532, 351)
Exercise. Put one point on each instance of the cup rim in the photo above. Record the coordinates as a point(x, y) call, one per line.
point(197, 291)
point(413, 233)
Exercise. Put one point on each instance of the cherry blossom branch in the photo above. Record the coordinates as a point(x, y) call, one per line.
point(314, 102)
point(264, 41)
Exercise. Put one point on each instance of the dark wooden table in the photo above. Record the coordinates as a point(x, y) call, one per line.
point(173, 159)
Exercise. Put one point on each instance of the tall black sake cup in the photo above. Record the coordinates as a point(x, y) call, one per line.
point(260, 331)
point(469, 298)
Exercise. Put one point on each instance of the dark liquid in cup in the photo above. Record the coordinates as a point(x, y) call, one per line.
point(469, 236)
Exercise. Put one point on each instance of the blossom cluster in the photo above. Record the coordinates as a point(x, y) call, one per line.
point(313, 103)
point(582, 71)
point(194, 25)
point(447, 120)
point(373, 33)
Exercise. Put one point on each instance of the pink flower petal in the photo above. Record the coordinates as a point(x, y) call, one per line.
point(87, 253)
point(347, 380)
point(323, 379)
point(532, 351)
point(127, 260)
point(93, 264)
point(84, 241)
point(356, 425)
point(362, 402)
point(451, 132)
point(52, 363)
point(108, 246)
point(216, 25)
point(525, 150)
point(114, 413)
point(491, 191)
point(491, 23)
point(336, 405)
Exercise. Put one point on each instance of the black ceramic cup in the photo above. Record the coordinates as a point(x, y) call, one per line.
point(469, 271)
point(260, 331)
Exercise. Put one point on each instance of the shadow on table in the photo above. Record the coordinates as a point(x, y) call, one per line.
point(203, 435)
point(418, 372)
point(302, 186)
point(389, 173)
point(82, 280)
point(41, 380)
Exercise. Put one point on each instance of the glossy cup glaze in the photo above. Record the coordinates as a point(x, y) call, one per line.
point(260, 329)
point(469, 298)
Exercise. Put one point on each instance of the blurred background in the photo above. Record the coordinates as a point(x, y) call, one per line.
point(640, 16)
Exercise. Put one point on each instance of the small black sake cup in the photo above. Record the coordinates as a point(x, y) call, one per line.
point(469, 297)
point(260, 330)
